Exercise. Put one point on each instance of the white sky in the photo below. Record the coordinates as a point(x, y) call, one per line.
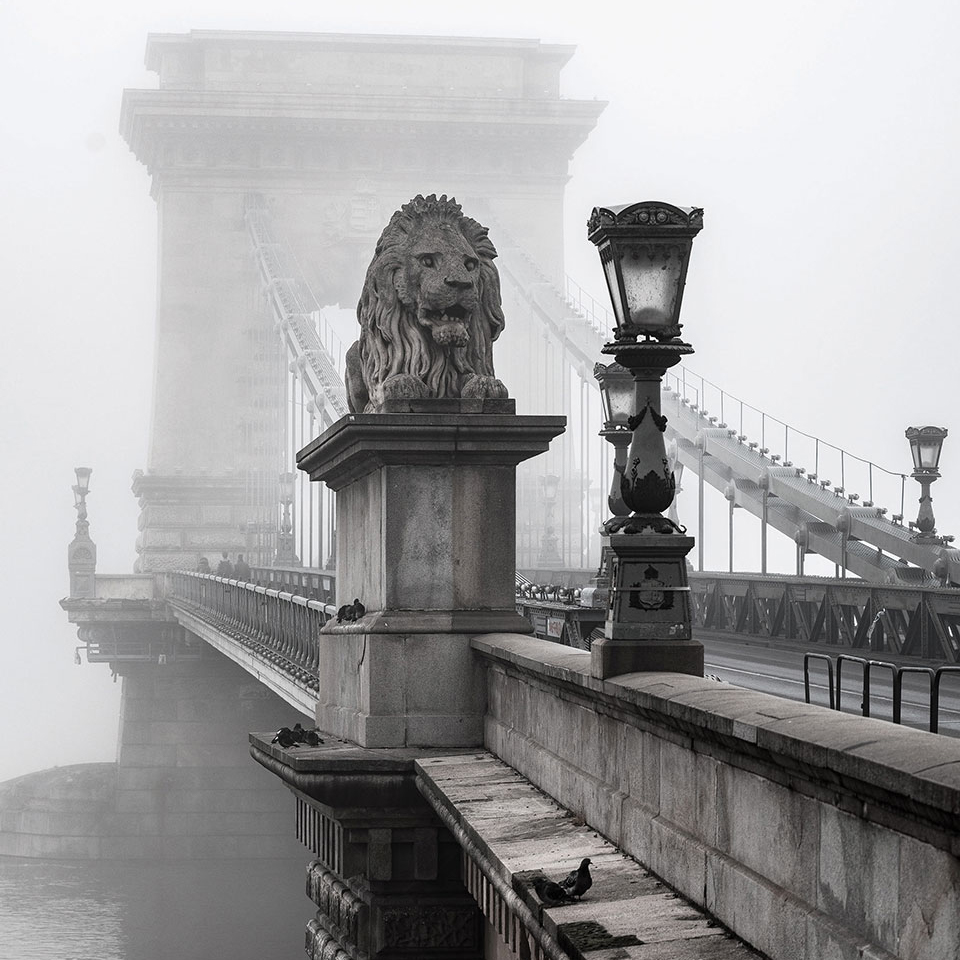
point(821, 139)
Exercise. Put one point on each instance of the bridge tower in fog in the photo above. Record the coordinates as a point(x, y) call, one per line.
point(328, 135)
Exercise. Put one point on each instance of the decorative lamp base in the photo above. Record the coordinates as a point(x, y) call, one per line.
point(649, 615)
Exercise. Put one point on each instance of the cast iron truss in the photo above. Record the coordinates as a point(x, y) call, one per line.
point(880, 618)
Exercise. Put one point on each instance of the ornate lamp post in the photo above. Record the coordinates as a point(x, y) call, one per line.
point(82, 551)
point(286, 554)
point(925, 446)
point(617, 396)
point(645, 249)
point(549, 487)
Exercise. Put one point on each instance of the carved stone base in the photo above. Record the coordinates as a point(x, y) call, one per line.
point(649, 614)
point(387, 878)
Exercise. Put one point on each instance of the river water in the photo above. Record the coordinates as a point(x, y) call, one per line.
point(208, 910)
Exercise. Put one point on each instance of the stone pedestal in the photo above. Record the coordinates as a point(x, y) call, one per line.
point(426, 528)
point(649, 614)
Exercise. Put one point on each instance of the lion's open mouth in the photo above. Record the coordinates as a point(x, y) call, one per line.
point(447, 325)
point(455, 313)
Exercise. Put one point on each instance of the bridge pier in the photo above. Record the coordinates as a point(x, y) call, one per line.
point(185, 785)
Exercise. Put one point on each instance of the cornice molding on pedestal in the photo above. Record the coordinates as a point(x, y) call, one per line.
point(360, 443)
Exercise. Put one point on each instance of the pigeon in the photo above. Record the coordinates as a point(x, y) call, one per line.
point(578, 881)
point(288, 738)
point(550, 893)
point(285, 738)
point(351, 612)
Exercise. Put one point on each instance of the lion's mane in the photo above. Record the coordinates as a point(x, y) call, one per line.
point(394, 342)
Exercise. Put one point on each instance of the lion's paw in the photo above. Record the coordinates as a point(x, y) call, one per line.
point(481, 387)
point(404, 386)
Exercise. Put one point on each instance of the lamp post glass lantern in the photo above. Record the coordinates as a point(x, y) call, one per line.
point(645, 251)
point(926, 444)
point(83, 479)
point(618, 396)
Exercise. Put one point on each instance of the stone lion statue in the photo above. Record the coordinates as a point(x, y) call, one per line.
point(429, 311)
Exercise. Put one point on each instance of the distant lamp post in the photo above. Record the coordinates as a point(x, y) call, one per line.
point(286, 554)
point(549, 550)
point(82, 551)
point(617, 394)
point(645, 251)
point(926, 444)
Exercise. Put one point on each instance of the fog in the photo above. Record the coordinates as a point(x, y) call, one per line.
point(821, 139)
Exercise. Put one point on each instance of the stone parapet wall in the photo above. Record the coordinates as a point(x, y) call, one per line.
point(811, 834)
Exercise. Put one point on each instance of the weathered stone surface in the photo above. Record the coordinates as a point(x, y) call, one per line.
point(811, 833)
point(859, 874)
point(515, 832)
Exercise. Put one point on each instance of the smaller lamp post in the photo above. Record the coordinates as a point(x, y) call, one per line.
point(926, 444)
point(550, 487)
point(286, 554)
point(645, 250)
point(617, 394)
point(82, 551)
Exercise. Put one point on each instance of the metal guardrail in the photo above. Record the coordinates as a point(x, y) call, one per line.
point(867, 667)
point(905, 621)
point(277, 626)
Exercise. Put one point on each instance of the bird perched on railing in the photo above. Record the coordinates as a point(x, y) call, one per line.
point(296, 737)
point(550, 892)
point(578, 881)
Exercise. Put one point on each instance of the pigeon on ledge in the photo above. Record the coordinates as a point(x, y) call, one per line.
point(351, 612)
point(288, 738)
point(578, 881)
point(550, 893)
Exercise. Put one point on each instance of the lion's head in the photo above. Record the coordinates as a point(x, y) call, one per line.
point(429, 311)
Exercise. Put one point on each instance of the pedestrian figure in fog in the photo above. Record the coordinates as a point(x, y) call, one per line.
point(241, 569)
point(203, 566)
point(224, 567)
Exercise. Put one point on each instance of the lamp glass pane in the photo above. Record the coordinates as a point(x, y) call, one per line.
point(609, 261)
point(620, 400)
point(915, 452)
point(651, 279)
point(930, 452)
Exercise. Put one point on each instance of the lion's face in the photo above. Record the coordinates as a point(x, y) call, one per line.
point(438, 281)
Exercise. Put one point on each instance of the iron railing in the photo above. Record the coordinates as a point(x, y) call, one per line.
point(933, 676)
point(277, 626)
point(857, 479)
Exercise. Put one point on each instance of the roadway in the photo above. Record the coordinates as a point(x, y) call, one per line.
point(778, 670)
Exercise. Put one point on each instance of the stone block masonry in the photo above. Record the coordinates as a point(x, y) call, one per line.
point(809, 833)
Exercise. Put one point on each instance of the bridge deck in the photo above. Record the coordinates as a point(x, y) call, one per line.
point(513, 831)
